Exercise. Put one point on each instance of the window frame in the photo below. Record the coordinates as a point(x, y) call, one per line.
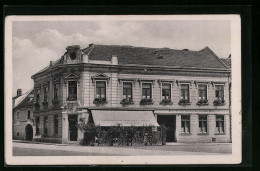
point(145, 82)
point(207, 90)
point(162, 89)
point(132, 89)
point(189, 84)
point(201, 128)
point(95, 95)
point(185, 121)
point(223, 125)
point(223, 90)
point(68, 88)
point(56, 127)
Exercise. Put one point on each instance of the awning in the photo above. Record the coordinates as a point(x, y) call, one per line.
point(124, 118)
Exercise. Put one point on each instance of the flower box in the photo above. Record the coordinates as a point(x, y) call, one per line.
point(165, 102)
point(127, 102)
point(45, 104)
point(146, 102)
point(100, 101)
point(55, 103)
point(184, 102)
point(203, 102)
point(219, 102)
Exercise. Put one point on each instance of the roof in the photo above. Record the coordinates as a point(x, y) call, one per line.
point(204, 58)
point(25, 99)
point(227, 61)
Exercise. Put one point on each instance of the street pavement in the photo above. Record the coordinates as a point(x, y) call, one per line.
point(48, 149)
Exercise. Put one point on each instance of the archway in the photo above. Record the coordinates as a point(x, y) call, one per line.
point(28, 132)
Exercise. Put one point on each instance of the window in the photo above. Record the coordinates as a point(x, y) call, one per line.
point(18, 115)
point(45, 124)
point(127, 90)
point(202, 92)
point(45, 94)
point(203, 123)
point(56, 124)
point(219, 92)
point(29, 114)
point(220, 123)
point(166, 91)
point(72, 86)
point(37, 96)
point(101, 89)
point(55, 92)
point(37, 125)
point(185, 92)
point(147, 90)
point(185, 124)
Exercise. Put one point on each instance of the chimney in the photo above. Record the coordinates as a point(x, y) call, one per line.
point(114, 60)
point(19, 92)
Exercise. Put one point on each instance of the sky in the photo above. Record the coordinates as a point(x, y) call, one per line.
point(36, 43)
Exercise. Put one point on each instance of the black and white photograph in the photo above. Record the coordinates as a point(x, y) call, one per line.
point(126, 89)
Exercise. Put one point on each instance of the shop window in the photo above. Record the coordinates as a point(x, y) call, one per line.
point(72, 88)
point(202, 92)
point(56, 124)
point(219, 92)
point(37, 125)
point(219, 123)
point(166, 91)
point(203, 124)
point(185, 124)
point(45, 124)
point(185, 92)
point(101, 89)
point(29, 114)
point(127, 90)
point(55, 92)
point(146, 90)
point(18, 115)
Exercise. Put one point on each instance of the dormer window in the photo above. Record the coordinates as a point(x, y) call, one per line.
point(72, 90)
point(73, 55)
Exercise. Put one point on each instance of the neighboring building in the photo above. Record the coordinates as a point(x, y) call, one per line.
point(186, 90)
point(23, 115)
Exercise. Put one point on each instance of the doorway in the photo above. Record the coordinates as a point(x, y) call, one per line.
point(170, 122)
point(28, 132)
point(73, 129)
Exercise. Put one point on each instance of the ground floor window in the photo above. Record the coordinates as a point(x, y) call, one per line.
point(56, 124)
point(203, 123)
point(45, 124)
point(37, 125)
point(185, 124)
point(220, 123)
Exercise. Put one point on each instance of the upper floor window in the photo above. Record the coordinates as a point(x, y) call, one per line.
point(72, 90)
point(127, 90)
point(219, 92)
point(45, 94)
point(29, 114)
point(37, 96)
point(185, 92)
point(203, 123)
point(146, 90)
point(55, 92)
point(220, 123)
point(166, 91)
point(100, 89)
point(185, 123)
point(18, 115)
point(202, 92)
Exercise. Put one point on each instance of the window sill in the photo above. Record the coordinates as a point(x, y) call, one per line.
point(185, 134)
point(220, 134)
point(202, 134)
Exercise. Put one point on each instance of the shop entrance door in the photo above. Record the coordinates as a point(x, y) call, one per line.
point(170, 122)
point(73, 130)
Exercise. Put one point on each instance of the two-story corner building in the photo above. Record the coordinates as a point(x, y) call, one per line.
point(23, 115)
point(188, 91)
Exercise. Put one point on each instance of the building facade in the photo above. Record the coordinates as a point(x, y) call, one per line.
point(187, 91)
point(23, 115)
